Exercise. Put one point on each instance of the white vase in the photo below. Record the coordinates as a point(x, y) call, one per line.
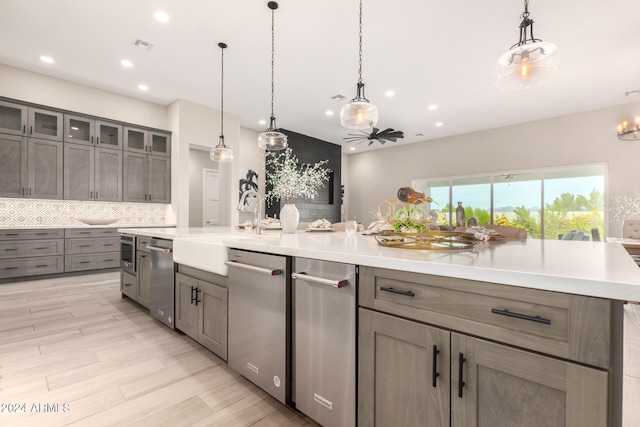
point(289, 218)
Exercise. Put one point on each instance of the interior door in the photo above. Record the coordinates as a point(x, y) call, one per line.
point(211, 198)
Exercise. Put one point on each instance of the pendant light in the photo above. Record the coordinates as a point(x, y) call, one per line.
point(271, 139)
point(359, 113)
point(221, 153)
point(528, 63)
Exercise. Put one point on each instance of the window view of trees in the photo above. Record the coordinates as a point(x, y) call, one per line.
point(573, 200)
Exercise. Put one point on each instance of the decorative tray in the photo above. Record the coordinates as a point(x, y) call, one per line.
point(431, 240)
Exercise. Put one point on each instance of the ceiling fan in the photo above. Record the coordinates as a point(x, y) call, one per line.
point(388, 134)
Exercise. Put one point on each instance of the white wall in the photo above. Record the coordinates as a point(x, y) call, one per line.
point(583, 138)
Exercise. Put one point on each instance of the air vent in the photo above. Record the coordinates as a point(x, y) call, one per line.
point(338, 97)
point(632, 92)
point(143, 44)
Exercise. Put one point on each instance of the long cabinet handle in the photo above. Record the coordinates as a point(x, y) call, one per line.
point(434, 372)
point(267, 271)
point(320, 280)
point(461, 383)
point(521, 316)
point(398, 291)
point(157, 249)
point(198, 300)
point(11, 249)
point(193, 297)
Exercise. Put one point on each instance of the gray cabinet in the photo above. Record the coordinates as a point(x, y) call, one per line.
point(506, 386)
point(30, 252)
point(33, 122)
point(30, 168)
point(143, 267)
point(201, 309)
point(494, 354)
point(140, 140)
point(13, 166)
point(91, 249)
point(44, 169)
point(92, 173)
point(128, 285)
point(147, 178)
point(403, 372)
point(85, 130)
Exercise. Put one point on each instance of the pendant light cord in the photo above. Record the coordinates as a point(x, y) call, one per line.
point(360, 47)
point(222, 94)
point(273, 43)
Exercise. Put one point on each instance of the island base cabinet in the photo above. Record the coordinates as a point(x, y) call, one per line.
point(403, 373)
point(495, 385)
point(201, 312)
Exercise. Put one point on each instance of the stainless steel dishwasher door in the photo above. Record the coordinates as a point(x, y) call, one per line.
point(324, 375)
point(259, 330)
point(162, 281)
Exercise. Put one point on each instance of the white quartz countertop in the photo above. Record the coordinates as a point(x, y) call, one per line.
point(45, 227)
point(599, 269)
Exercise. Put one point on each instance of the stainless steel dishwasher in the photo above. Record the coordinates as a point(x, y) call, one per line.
point(162, 281)
point(259, 326)
point(324, 336)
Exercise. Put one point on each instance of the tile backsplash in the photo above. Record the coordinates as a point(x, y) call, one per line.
point(40, 212)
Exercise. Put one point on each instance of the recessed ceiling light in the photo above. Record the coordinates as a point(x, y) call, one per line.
point(161, 16)
point(389, 93)
point(126, 63)
point(338, 97)
point(262, 122)
point(329, 112)
point(143, 87)
point(352, 148)
point(47, 59)
point(419, 134)
point(433, 107)
point(439, 124)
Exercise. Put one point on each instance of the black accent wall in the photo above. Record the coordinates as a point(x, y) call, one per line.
point(312, 150)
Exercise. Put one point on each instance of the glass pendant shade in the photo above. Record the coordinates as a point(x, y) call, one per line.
point(359, 114)
point(221, 153)
point(272, 140)
point(527, 65)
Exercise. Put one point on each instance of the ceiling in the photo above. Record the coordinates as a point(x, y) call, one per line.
point(426, 51)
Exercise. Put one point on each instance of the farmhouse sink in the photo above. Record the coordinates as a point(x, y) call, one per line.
point(206, 253)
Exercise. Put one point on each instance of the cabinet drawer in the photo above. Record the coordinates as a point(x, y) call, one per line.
point(8, 234)
point(564, 325)
point(31, 266)
point(142, 243)
point(30, 248)
point(91, 262)
point(90, 232)
point(84, 246)
point(128, 285)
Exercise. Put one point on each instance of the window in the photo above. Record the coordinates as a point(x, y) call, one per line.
point(547, 202)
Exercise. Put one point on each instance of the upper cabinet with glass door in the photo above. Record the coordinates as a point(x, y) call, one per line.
point(146, 141)
point(18, 119)
point(88, 131)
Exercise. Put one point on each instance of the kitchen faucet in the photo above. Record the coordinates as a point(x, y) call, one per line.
point(259, 226)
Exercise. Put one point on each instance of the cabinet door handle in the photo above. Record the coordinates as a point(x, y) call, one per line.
point(84, 232)
point(42, 265)
point(127, 284)
point(31, 130)
point(108, 260)
point(397, 291)
point(149, 197)
point(193, 298)
point(91, 196)
point(109, 244)
point(84, 246)
point(11, 249)
point(84, 262)
point(145, 197)
point(96, 195)
point(29, 190)
point(39, 249)
point(461, 383)
point(24, 129)
point(23, 191)
point(198, 300)
point(97, 140)
point(521, 316)
point(92, 139)
point(434, 373)
point(10, 268)
point(41, 234)
point(11, 234)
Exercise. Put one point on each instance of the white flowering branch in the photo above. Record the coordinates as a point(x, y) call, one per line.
point(290, 179)
point(625, 206)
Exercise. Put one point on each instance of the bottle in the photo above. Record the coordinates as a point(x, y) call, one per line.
point(409, 195)
point(460, 215)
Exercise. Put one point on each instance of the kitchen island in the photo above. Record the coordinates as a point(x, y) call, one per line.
point(496, 325)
